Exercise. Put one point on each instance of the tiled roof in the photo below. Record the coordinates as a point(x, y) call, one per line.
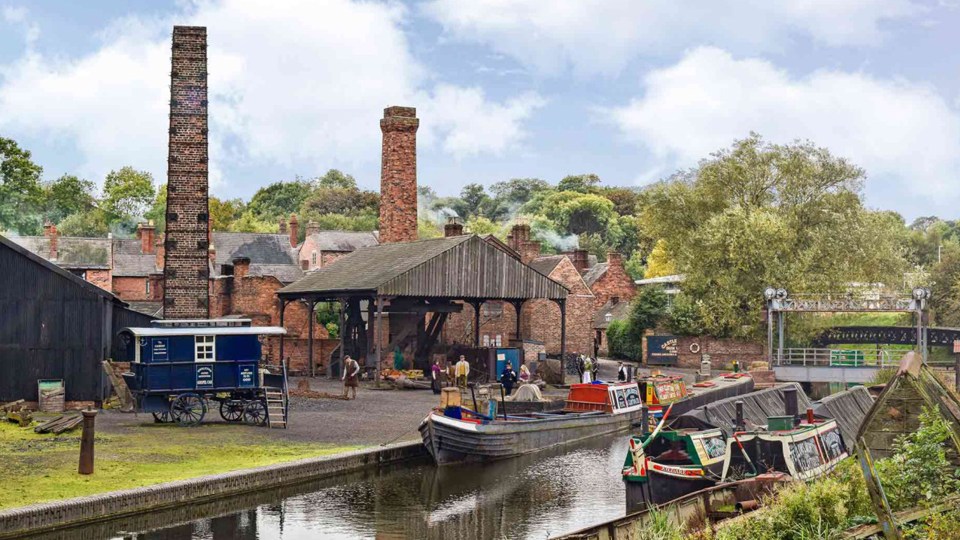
point(344, 240)
point(594, 273)
point(269, 254)
point(129, 262)
point(72, 252)
point(546, 264)
point(617, 311)
point(154, 309)
point(285, 273)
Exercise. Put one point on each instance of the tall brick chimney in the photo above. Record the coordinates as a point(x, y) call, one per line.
point(453, 227)
point(50, 231)
point(146, 233)
point(398, 175)
point(294, 230)
point(186, 271)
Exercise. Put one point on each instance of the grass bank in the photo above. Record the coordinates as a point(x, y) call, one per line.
point(37, 468)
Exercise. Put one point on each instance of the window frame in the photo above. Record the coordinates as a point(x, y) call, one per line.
point(204, 348)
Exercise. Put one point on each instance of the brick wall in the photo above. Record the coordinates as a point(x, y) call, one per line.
point(614, 282)
point(398, 176)
point(496, 318)
point(187, 218)
point(132, 288)
point(100, 278)
point(722, 352)
point(541, 318)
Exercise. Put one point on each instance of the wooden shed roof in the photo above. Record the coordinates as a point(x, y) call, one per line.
point(458, 267)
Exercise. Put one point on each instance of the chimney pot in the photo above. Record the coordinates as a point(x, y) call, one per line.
point(50, 231)
point(146, 232)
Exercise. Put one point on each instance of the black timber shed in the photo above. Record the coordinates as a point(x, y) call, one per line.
point(423, 276)
point(55, 325)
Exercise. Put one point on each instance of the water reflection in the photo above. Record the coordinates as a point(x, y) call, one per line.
point(533, 496)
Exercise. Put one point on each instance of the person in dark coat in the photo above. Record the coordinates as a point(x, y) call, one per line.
point(621, 372)
point(508, 379)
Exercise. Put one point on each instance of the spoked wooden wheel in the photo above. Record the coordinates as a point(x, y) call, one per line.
point(188, 409)
point(255, 412)
point(232, 410)
point(162, 417)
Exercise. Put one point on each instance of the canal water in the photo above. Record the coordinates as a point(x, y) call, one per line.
point(535, 496)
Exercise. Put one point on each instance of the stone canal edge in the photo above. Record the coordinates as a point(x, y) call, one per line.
point(41, 517)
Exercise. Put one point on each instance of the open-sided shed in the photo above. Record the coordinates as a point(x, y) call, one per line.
point(416, 279)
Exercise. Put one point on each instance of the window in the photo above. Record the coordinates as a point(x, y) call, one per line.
point(204, 348)
point(313, 258)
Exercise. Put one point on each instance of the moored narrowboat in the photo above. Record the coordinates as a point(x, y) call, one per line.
point(664, 466)
point(456, 434)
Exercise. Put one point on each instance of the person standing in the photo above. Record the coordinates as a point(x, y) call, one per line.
point(462, 371)
point(621, 372)
point(508, 378)
point(587, 373)
point(398, 362)
point(451, 375)
point(580, 366)
point(435, 373)
point(351, 377)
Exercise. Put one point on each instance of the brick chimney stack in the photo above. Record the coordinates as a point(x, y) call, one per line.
point(398, 175)
point(159, 251)
point(294, 230)
point(312, 228)
point(186, 268)
point(146, 233)
point(50, 231)
point(453, 227)
point(519, 240)
point(580, 259)
point(241, 267)
point(283, 226)
point(615, 259)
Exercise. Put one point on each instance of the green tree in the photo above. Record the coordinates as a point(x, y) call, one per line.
point(248, 222)
point(336, 179)
point(636, 265)
point(224, 212)
point(20, 190)
point(759, 214)
point(92, 223)
point(516, 192)
point(66, 196)
point(127, 194)
point(659, 263)
point(481, 225)
point(578, 213)
point(279, 199)
point(157, 214)
point(582, 183)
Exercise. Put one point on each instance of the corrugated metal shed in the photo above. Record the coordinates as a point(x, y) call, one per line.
point(457, 267)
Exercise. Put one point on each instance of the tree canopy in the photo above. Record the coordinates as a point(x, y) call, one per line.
point(20, 190)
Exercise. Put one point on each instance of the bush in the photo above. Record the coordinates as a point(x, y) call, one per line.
point(620, 345)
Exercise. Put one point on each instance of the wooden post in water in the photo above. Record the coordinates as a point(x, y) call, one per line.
point(86, 442)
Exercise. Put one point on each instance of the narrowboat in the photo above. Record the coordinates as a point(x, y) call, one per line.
point(659, 391)
point(666, 465)
point(456, 434)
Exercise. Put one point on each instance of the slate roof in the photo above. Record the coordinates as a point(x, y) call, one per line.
point(154, 309)
point(594, 273)
point(129, 262)
point(344, 240)
point(620, 310)
point(546, 264)
point(72, 252)
point(269, 254)
point(452, 267)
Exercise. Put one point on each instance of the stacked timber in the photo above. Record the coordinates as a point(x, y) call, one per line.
point(60, 424)
point(16, 412)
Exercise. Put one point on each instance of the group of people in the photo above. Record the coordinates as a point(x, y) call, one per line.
point(460, 373)
point(588, 368)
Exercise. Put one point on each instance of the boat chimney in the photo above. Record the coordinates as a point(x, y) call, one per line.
point(739, 423)
point(790, 402)
point(810, 418)
point(644, 420)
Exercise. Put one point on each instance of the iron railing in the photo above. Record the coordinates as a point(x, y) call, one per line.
point(839, 357)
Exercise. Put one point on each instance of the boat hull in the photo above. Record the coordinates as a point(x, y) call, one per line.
point(452, 441)
point(662, 487)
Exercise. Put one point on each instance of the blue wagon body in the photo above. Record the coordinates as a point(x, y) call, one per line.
point(200, 360)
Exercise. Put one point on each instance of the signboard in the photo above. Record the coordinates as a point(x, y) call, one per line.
point(204, 376)
point(247, 375)
point(662, 350)
point(624, 397)
point(161, 350)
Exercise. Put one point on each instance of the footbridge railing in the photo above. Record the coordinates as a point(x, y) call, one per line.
point(840, 358)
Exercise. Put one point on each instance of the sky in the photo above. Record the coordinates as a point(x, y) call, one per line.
point(632, 90)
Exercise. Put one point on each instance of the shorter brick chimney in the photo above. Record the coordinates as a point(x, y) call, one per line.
point(146, 233)
point(615, 260)
point(529, 251)
point(453, 227)
point(294, 230)
point(312, 227)
point(519, 235)
point(580, 259)
point(241, 267)
point(50, 231)
point(159, 250)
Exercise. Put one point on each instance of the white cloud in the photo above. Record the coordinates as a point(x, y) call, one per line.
point(905, 135)
point(14, 14)
point(469, 124)
point(601, 36)
point(299, 84)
